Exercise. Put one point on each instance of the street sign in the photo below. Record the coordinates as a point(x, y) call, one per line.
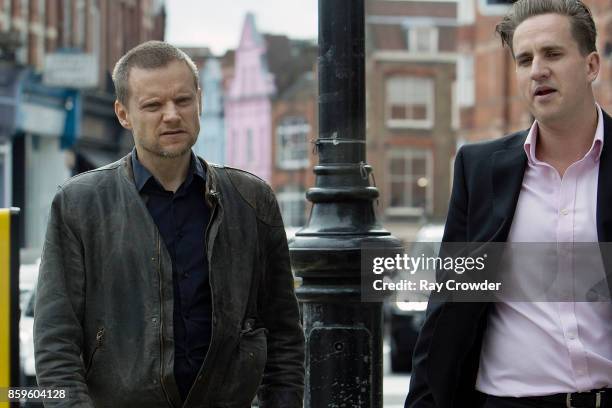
point(71, 70)
point(9, 300)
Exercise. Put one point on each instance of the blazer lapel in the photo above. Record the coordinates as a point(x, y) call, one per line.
point(604, 189)
point(508, 170)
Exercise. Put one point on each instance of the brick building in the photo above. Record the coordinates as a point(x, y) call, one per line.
point(410, 72)
point(294, 128)
point(488, 100)
point(56, 110)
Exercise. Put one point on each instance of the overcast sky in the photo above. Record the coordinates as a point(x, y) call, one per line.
point(217, 24)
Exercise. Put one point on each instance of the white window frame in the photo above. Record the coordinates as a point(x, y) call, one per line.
point(291, 197)
point(6, 152)
point(413, 40)
point(283, 130)
point(408, 153)
point(487, 9)
point(466, 85)
point(426, 123)
point(466, 12)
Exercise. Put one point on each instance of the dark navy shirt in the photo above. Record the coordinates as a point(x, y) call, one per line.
point(181, 219)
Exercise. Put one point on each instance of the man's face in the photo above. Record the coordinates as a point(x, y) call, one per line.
point(162, 110)
point(554, 78)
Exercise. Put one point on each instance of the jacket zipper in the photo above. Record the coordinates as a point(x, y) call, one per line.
point(161, 321)
point(99, 338)
point(215, 204)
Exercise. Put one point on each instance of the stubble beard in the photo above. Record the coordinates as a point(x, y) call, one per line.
point(160, 152)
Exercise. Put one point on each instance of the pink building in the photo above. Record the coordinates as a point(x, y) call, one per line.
point(248, 105)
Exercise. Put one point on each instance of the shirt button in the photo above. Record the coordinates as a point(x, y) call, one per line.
point(571, 335)
point(565, 211)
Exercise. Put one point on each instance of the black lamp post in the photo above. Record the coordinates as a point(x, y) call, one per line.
point(343, 334)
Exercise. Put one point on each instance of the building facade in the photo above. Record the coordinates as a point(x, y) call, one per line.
point(294, 128)
point(488, 100)
point(410, 68)
point(56, 94)
point(211, 141)
point(248, 105)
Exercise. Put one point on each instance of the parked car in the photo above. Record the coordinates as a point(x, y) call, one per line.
point(406, 318)
point(28, 276)
point(26, 340)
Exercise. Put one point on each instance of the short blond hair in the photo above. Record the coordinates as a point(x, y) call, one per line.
point(148, 55)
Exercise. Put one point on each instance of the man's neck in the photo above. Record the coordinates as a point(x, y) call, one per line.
point(170, 172)
point(562, 144)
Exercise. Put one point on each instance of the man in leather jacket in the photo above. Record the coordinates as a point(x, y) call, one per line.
point(165, 281)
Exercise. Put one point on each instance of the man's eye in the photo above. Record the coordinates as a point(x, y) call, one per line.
point(151, 106)
point(524, 61)
point(184, 101)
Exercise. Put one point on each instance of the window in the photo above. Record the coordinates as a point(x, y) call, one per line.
point(410, 102)
point(292, 143)
point(465, 76)
point(292, 204)
point(67, 23)
point(466, 12)
point(494, 7)
point(422, 39)
point(410, 182)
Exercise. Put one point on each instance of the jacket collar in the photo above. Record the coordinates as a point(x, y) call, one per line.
point(508, 170)
point(211, 192)
point(142, 175)
point(509, 165)
point(604, 192)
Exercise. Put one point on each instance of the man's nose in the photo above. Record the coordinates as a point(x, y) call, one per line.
point(170, 113)
point(539, 69)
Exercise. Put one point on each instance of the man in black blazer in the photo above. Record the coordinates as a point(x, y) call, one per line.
point(550, 183)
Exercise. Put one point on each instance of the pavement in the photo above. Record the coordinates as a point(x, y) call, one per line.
point(395, 386)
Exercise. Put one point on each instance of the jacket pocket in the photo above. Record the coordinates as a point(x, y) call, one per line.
point(245, 369)
point(97, 347)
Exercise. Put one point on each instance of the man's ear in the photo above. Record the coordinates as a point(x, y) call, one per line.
point(122, 115)
point(593, 65)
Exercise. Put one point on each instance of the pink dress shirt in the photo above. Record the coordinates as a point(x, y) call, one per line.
point(543, 348)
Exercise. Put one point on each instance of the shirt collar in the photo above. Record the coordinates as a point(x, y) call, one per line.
point(594, 152)
point(142, 175)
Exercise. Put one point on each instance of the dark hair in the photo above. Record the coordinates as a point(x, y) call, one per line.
point(581, 20)
point(148, 55)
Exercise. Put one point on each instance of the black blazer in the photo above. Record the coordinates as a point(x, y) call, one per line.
point(487, 182)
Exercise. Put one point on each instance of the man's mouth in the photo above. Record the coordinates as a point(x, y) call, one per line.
point(172, 132)
point(543, 91)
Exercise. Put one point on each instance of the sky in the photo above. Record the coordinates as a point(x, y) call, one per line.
point(217, 24)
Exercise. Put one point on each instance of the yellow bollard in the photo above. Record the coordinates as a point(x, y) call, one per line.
point(9, 300)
